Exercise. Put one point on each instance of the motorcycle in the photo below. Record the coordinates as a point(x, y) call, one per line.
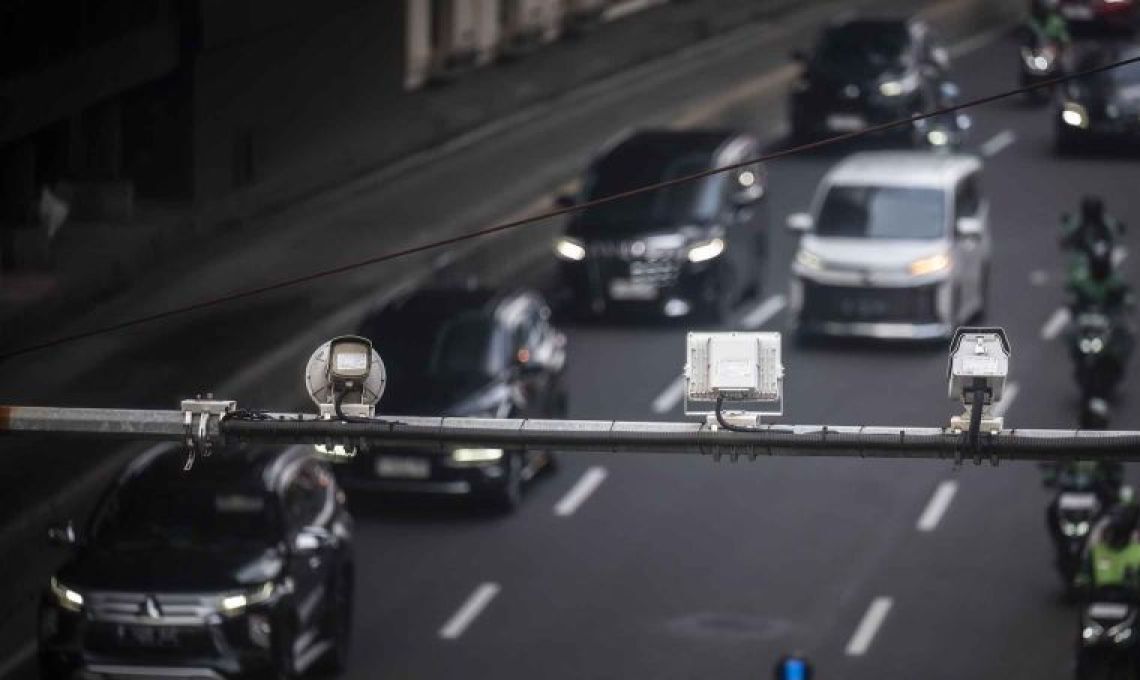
point(1106, 648)
point(1099, 354)
point(1040, 61)
point(1085, 491)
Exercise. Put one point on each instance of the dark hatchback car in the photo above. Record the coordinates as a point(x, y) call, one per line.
point(865, 72)
point(241, 567)
point(1103, 107)
point(690, 248)
point(470, 352)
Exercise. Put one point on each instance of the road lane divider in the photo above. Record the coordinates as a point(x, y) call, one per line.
point(869, 626)
point(937, 506)
point(1055, 323)
point(998, 143)
point(1002, 407)
point(470, 611)
point(1038, 277)
point(577, 495)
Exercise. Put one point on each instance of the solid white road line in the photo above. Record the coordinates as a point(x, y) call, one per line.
point(997, 143)
point(1056, 323)
point(1002, 407)
point(577, 495)
point(872, 620)
point(1118, 255)
point(469, 611)
point(937, 506)
point(763, 312)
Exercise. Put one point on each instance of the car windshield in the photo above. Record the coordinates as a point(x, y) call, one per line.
point(186, 516)
point(863, 46)
point(882, 213)
point(626, 170)
point(467, 345)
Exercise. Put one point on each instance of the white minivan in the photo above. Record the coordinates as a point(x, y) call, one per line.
point(896, 246)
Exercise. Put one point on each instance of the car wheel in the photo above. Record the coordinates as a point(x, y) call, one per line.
point(508, 495)
point(335, 661)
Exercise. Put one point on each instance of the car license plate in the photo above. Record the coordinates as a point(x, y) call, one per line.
point(150, 636)
point(620, 289)
point(405, 468)
point(864, 307)
point(846, 123)
point(1078, 12)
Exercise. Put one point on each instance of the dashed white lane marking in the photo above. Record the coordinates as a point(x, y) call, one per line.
point(869, 626)
point(1038, 277)
point(1118, 255)
point(1002, 407)
point(753, 319)
point(763, 312)
point(996, 144)
point(577, 495)
point(470, 610)
point(1055, 324)
point(937, 506)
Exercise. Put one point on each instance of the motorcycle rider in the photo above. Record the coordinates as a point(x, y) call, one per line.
point(1046, 25)
point(1092, 232)
point(1093, 284)
point(1112, 559)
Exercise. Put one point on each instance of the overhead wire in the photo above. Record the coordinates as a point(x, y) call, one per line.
point(557, 212)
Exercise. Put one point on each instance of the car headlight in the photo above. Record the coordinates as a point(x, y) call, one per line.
point(929, 265)
point(1075, 115)
point(708, 250)
point(809, 259)
point(476, 455)
point(570, 249)
point(1092, 632)
point(65, 597)
point(899, 87)
point(1121, 633)
point(938, 137)
point(234, 604)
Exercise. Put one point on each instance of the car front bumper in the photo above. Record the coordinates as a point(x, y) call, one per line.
point(443, 477)
point(612, 285)
point(919, 312)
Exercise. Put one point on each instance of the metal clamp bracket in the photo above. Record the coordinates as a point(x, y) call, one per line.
point(198, 438)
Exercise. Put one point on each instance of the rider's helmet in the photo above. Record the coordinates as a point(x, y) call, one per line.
point(1092, 208)
point(1042, 8)
point(1121, 524)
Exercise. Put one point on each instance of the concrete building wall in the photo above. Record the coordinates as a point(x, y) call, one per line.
point(276, 77)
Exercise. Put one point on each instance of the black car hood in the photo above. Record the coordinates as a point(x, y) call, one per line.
point(166, 569)
point(862, 74)
point(692, 231)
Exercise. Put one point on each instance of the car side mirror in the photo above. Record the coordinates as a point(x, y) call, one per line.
point(310, 540)
point(63, 535)
point(969, 227)
point(801, 222)
point(563, 201)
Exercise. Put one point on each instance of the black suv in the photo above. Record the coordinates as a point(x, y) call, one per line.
point(864, 72)
point(1103, 107)
point(690, 248)
point(468, 352)
point(240, 567)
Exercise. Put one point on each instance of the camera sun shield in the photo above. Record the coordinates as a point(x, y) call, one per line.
point(347, 364)
point(978, 354)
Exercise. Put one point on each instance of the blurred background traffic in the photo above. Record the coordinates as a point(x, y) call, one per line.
point(158, 155)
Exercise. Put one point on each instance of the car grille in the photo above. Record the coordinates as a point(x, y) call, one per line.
point(167, 609)
point(870, 305)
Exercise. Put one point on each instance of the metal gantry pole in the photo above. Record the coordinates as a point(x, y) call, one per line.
point(213, 424)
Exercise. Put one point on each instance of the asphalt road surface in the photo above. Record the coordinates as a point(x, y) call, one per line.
point(671, 567)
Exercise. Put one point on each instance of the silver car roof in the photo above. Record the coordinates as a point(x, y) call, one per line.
point(903, 168)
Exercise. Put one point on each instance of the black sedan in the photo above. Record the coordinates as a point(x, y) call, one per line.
point(241, 568)
point(470, 352)
point(865, 72)
point(694, 248)
point(1103, 107)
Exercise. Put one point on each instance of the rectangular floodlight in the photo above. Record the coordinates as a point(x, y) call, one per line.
point(742, 368)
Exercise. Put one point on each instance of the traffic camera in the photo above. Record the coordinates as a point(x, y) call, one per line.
point(979, 365)
point(742, 368)
point(345, 377)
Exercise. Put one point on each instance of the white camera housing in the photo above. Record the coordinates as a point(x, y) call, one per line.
point(359, 371)
point(738, 367)
point(978, 353)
